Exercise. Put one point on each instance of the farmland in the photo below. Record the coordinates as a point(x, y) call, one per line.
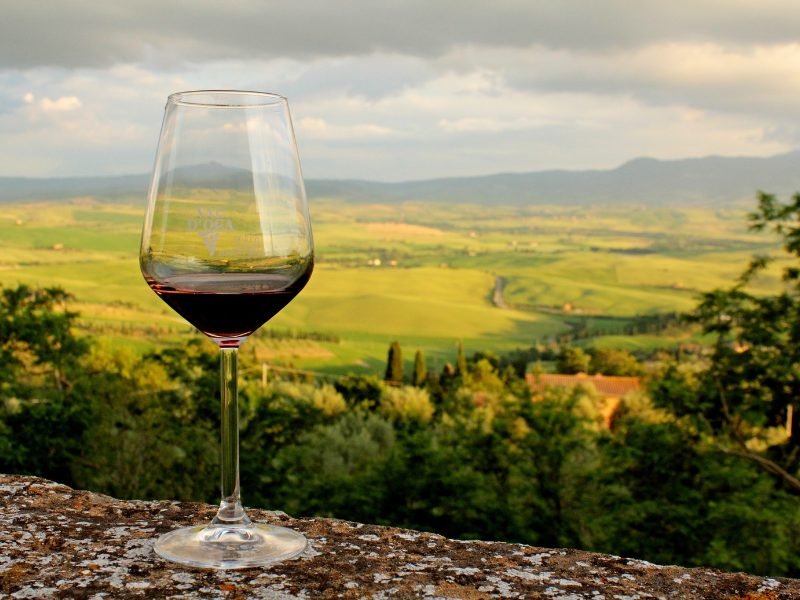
point(420, 273)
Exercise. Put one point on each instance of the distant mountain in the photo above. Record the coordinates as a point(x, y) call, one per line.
point(27, 188)
point(707, 180)
point(212, 174)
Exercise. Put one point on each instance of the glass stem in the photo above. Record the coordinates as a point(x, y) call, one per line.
point(230, 510)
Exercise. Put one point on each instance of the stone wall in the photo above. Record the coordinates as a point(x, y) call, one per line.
point(62, 543)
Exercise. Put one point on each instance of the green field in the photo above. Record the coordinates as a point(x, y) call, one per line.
point(423, 274)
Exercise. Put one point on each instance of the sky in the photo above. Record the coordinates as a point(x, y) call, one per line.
point(397, 90)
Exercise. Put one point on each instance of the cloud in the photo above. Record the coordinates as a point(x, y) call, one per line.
point(63, 104)
point(84, 33)
point(321, 129)
point(749, 79)
point(454, 125)
point(463, 114)
point(489, 125)
point(407, 89)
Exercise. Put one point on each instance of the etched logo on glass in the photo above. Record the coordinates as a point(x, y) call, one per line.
point(208, 224)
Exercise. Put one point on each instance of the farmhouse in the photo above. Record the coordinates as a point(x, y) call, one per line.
point(611, 389)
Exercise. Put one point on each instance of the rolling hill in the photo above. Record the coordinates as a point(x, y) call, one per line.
point(694, 181)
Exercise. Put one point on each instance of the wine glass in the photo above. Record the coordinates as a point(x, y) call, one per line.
point(227, 244)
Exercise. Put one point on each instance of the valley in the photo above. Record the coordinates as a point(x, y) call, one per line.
point(421, 273)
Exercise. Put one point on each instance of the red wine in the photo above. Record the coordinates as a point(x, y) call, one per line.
point(229, 305)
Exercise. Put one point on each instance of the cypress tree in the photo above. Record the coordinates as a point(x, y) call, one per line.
point(394, 364)
point(420, 369)
point(461, 361)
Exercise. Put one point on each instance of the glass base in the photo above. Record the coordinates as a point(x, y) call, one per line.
point(230, 546)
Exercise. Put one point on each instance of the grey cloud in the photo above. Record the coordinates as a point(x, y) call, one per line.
point(374, 76)
point(86, 33)
point(744, 80)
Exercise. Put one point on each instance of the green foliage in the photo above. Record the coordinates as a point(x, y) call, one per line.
point(461, 361)
point(420, 375)
point(702, 507)
point(149, 440)
point(94, 419)
point(45, 419)
point(432, 483)
point(336, 469)
point(748, 395)
point(327, 400)
point(46, 437)
point(469, 455)
point(614, 362)
point(360, 390)
point(37, 343)
point(407, 404)
point(550, 460)
point(394, 364)
point(652, 463)
point(572, 360)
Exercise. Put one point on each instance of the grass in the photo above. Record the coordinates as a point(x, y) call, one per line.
point(646, 343)
point(434, 284)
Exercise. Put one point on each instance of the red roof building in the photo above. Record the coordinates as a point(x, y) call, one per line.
point(607, 386)
point(611, 388)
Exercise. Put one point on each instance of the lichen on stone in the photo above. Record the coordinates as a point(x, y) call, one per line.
point(59, 542)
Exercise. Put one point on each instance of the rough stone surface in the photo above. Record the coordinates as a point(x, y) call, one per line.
point(56, 542)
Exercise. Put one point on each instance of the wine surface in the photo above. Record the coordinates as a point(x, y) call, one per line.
point(229, 305)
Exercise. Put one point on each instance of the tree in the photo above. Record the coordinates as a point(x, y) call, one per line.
point(572, 360)
point(420, 374)
point(37, 344)
point(360, 390)
point(394, 364)
point(43, 422)
point(614, 362)
point(664, 496)
point(336, 469)
point(461, 361)
point(407, 404)
point(746, 402)
point(550, 461)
